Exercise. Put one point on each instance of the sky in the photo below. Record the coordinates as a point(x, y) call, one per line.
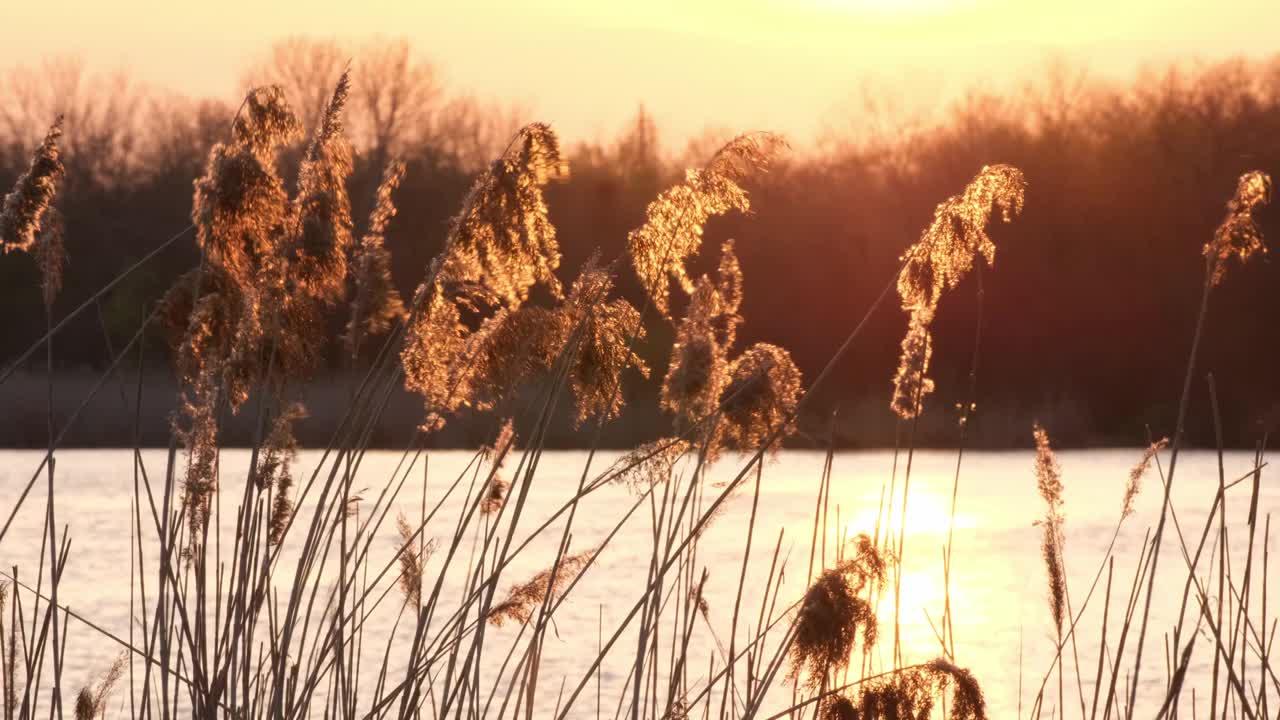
point(794, 66)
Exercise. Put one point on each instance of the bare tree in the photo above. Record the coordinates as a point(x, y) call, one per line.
point(396, 98)
point(101, 116)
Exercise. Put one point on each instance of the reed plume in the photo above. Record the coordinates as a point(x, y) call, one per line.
point(275, 468)
point(967, 701)
point(498, 247)
point(523, 599)
point(322, 209)
point(700, 367)
point(833, 612)
point(910, 693)
point(1134, 485)
point(376, 302)
point(761, 396)
point(838, 707)
point(606, 332)
point(23, 213)
point(503, 236)
point(943, 256)
point(674, 221)
point(495, 495)
point(436, 339)
point(1049, 484)
point(1239, 235)
point(412, 561)
point(509, 350)
point(91, 701)
point(240, 206)
point(650, 463)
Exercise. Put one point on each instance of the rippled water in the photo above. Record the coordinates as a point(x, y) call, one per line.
point(998, 589)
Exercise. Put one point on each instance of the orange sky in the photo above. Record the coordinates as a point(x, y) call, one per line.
point(787, 65)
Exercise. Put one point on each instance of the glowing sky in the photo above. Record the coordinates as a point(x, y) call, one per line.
point(789, 65)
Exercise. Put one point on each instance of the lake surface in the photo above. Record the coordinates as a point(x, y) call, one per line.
point(1003, 630)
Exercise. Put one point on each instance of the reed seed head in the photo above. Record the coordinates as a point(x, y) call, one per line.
point(265, 121)
point(957, 235)
point(524, 599)
point(376, 302)
point(761, 397)
point(911, 384)
point(674, 221)
point(321, 212)
point(649, 464)
point(606, 331)
point(495, 495)
point(1134, 486)
point(503, 236)
point(23, 214)
point(967, 701)
point(1239, 235)
point(91, 701)
point(412, 561)
point(275, 469)
point(1049, 483)
point(944, 255)
point(833, 612)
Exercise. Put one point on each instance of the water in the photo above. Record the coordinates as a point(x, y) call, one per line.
point(1003, 631)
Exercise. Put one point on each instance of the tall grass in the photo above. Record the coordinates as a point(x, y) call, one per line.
point(277, 623)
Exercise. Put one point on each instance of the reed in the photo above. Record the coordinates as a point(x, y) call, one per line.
point(256, 595)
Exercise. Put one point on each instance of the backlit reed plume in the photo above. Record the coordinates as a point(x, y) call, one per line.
point(938, 261)
point(1239, 235)
point(602, 334)
point(649, 464)
point(833, 613)
point(911, 383)
point(761, 397)
point(1049, 484)
point(376, 302)
point(240, 205)
point(25, 207)
point(700, 367)
point(1134, 485)
point(91, 701)
point(672, 231)
point(275, 469)
point(435, 341)
point(411, 560)
point(967, 701)
point(524, 599)
point(239, 209)
point(322, 209)
point(911, 693)
point(498, 246)
point(495, 495)
point(503, 236)
point(838, 707)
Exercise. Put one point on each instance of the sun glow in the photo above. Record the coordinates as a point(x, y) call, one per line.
point(927, 513)
point(889, 7)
